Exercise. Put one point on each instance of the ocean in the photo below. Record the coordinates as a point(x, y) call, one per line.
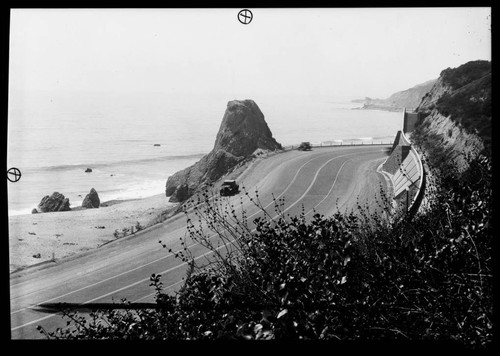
point(133, 142)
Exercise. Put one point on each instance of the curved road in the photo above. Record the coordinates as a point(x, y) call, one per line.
point(323, 180)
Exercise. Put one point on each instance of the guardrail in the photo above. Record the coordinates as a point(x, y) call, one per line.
point(342, 143)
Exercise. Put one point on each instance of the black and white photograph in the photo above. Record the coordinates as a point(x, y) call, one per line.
point(282, 174)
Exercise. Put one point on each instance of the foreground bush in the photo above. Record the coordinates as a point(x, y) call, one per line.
point(343, 277)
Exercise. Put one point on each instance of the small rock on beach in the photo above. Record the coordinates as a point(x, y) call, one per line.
point(91, 200)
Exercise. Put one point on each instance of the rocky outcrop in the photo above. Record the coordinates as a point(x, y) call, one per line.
point(409, 98)
point(54, 202)
point(460, 145)
point(243, 131)
point(91, 200)
point(457, 113)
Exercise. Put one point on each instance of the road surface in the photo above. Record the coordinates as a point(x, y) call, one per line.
point(323, 180)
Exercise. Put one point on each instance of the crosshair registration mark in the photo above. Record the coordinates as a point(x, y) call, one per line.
point(14, 173)
point(245, 16)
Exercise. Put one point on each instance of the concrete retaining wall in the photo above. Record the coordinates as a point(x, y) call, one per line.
point(393, 162)
point(404, 167)
point(408, 174)
point(409, 121)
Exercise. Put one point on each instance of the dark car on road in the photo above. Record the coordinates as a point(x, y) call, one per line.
point(229, 187)
point(304, 146)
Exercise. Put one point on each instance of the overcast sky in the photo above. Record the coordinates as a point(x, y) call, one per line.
point(337, 53)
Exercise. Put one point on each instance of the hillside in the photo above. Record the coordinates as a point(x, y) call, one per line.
point(409, 98)
point(457, 115)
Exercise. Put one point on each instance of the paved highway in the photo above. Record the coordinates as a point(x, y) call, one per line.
point(324, 179)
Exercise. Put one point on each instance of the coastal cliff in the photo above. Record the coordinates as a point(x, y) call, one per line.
point(456, 116)
point(409, 98)
point(243, 131)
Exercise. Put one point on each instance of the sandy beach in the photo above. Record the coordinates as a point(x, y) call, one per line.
point(40, 238)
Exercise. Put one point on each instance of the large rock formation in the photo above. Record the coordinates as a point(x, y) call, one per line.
point(91, 200)
point(54, 202)
point(243, 131)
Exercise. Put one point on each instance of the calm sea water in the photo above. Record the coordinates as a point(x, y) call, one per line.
point(53, 138)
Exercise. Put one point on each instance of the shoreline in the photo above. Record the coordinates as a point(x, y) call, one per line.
point(108, 203)
point(35, 239)
point(379, 107)
point(79, 207)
